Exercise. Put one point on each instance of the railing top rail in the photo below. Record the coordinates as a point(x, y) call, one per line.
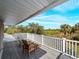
point(72, 41)
point(55, 38)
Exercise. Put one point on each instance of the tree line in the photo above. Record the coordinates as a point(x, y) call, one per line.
point(71, 32)
point(31, 28)
point(67, 31)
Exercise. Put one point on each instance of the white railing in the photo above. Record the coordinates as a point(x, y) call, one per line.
point(72, 48)
point(54, 43)
point(68, 47)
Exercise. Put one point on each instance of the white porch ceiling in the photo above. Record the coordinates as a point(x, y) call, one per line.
point(15, 11)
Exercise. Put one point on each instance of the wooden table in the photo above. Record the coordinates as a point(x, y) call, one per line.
point(29, 46)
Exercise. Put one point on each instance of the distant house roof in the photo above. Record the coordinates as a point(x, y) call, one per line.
point(16, 11)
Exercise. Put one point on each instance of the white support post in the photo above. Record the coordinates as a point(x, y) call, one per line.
point(76, 50)
point(64, 40)
point(69, 48)
point(1, 37)
point(42, 40)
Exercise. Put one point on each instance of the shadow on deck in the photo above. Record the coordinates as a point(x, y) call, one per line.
point(13, 51)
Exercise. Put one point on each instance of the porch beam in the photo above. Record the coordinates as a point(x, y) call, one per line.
point(1, 37)
point(1, 30)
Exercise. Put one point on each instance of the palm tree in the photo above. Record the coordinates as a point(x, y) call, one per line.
point(40, 30)
point(36, 28)
point(33, 27)
point(72, 30)
point(77, 26)
point(65, 29)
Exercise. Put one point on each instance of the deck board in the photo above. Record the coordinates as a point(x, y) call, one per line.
point(13, 51)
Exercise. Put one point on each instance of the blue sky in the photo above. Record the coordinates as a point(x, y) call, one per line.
point(66, 13)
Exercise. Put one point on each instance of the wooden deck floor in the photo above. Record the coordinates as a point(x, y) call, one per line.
point(12, 51)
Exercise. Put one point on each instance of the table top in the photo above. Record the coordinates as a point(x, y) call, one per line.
point(29, 42)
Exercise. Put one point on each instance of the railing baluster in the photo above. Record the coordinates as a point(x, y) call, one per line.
point(66, 48)
point(42, 40)
point(61, 45)
point(75, 49)
point(69, 48)
point(64, 45)
point(57, 43)
point(54, 43)
point(72, 48)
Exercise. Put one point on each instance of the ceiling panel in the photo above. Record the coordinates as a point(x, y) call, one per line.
point(15, 11)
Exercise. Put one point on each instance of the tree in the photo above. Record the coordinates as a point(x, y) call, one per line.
point(72, 30)
point(66, 29)
point(40, 30)
point(20, 29)
point(10, 29)
point(77, 26)
point(35, 28)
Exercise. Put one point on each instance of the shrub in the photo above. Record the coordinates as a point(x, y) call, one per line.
point(76, 37)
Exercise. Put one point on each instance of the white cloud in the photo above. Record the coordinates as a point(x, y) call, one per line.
point(77, 21)
point(50, 18)
point(40, 22)
point(69, 5)
point(49, 21)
